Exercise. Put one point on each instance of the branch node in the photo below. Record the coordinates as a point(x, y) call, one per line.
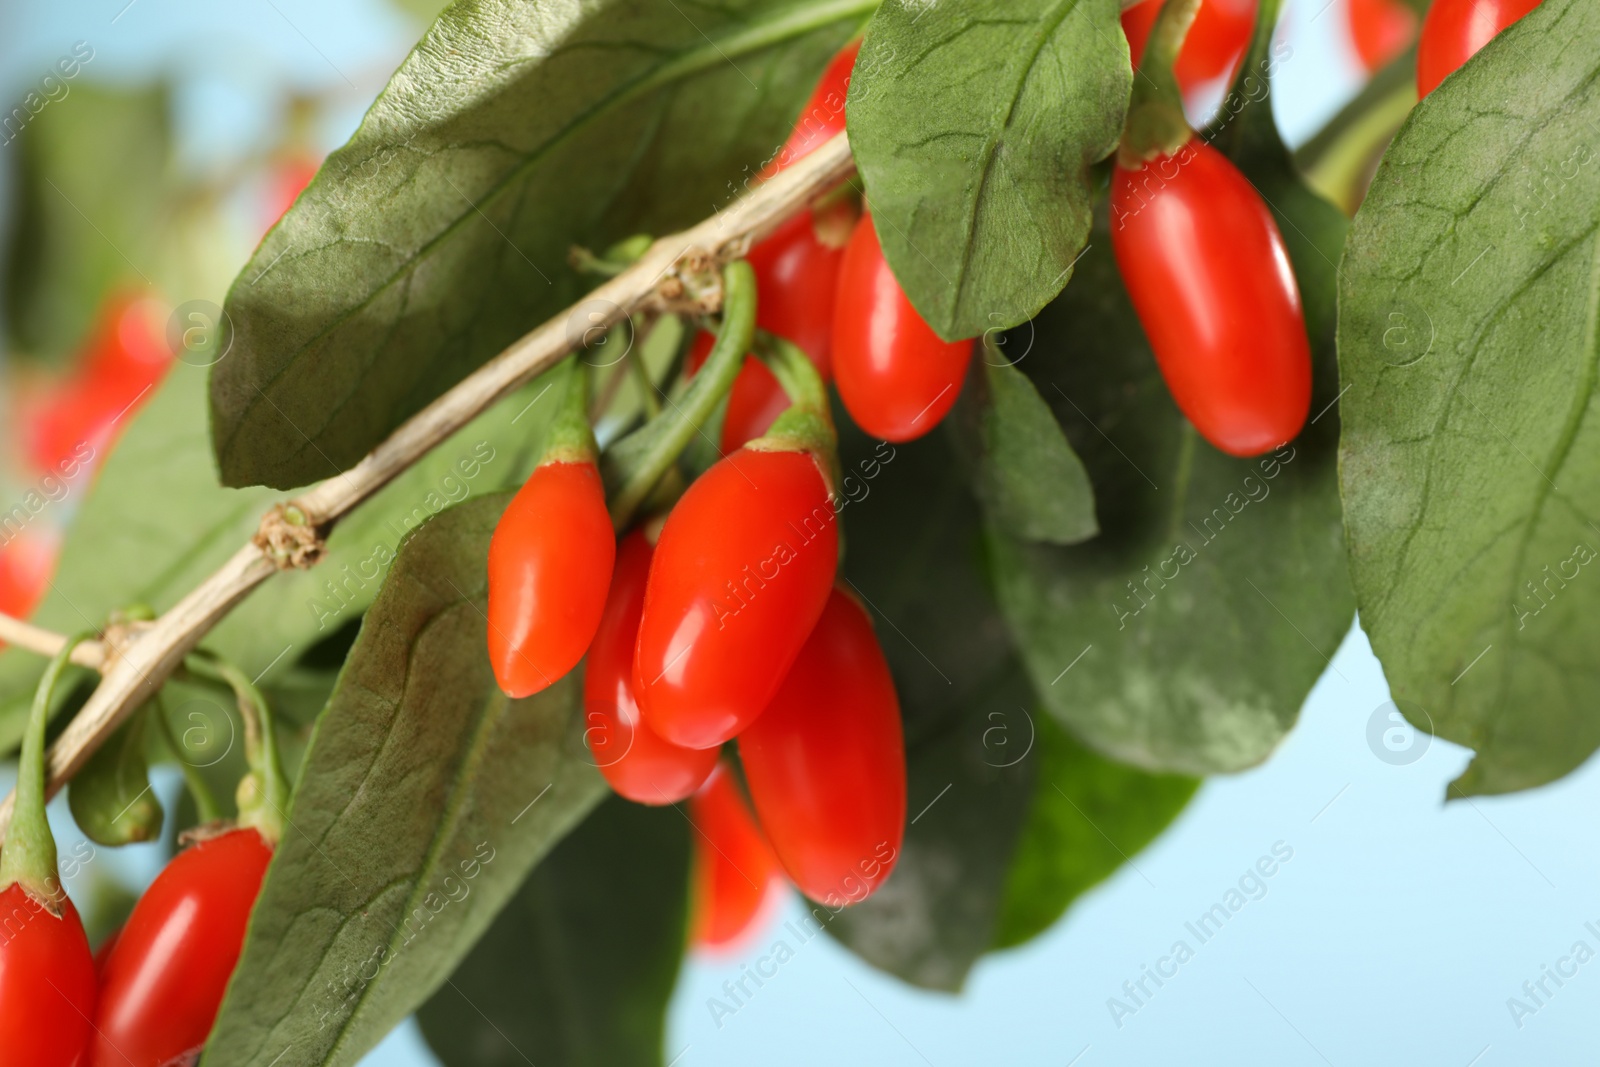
point(692, 287)
point(287, 538)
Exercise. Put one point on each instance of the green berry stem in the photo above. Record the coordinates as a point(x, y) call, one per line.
point(1157, 125)
point(29, 856)
point(263, 795)
point(635, 464)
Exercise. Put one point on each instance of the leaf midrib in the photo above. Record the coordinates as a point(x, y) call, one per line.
point(1047, 30)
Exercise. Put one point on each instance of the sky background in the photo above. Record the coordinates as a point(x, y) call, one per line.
point(1395, 933)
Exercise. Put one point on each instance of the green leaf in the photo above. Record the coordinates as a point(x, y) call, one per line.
point(975, 124)
point(579, 967)
point(1089, 816)
point(1185, 637)
point(426, 797)
point(155, 524)
point(910, 515)
point(88, 206)
point(1469, 335)
point(111, 799)
point(439, 234)
point(1032, 484)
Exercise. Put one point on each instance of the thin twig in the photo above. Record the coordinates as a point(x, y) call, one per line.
point(138, 673)
point(48, 642)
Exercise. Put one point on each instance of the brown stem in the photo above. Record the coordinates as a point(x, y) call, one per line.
point(138, 673)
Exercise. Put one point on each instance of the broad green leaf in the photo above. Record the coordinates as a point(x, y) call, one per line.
point(111, 799)
point(154, 523)
point(88, 205)
point(1186, 636)
point(911, 516)
point(579, 967)
point(975, 124)
point(1469, 336)
point(1088, 817)
point(1031, 483)
point(439, 233)
point(426, 798)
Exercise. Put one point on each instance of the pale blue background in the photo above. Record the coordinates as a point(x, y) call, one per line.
point(1395, 934)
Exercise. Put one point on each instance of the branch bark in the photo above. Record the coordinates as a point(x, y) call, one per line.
point(47, 642)
point(138, 673)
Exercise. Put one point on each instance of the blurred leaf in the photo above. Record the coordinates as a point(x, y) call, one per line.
point(155, 523)
point(439, 234)
point(424, 11)
point(579, 967)
point(1469, 335)
point(937, 913)
point(88, 207)
point(1031, 483)
point(427, 797)
point(1185, 637)
point(910, 516)
point(111, 799)
point(975, 123)
point(1089, 816)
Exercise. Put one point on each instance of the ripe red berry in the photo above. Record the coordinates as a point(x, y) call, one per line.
point(550, 566)
point(741, 573)
point(1380, 30)
point(797, 281)
point(1215, 44)
point(897, 378)
point(125, 358)
point(823, 116)
point(826, 762)
point(638, 764)
point(47, 986)
point(1206, 269)
point(163, 980)
point(735, 872)
point(1454, 30)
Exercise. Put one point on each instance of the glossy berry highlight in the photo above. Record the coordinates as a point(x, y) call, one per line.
point(1208, 275)
point(550, 566)
point(897, 377)
point(741, 573)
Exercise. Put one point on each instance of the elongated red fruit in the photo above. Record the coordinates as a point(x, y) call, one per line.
point(735, 873)
point(740, 575)
point(823, 115)
point(1380, 30)
point(164, 978)
point(47, 987)
point(550, 566)
point(638, 763)
point(897, 378)
point(1214, 46)
point(1453, 31)
point(797, 276)
point(1206, 269)
point(826, 762)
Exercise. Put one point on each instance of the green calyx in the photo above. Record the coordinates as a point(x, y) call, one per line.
point(571, 437)
point(29, 856)
point(1156, 123)
point(807, 425)
point(636, 465)
point(263, 796)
